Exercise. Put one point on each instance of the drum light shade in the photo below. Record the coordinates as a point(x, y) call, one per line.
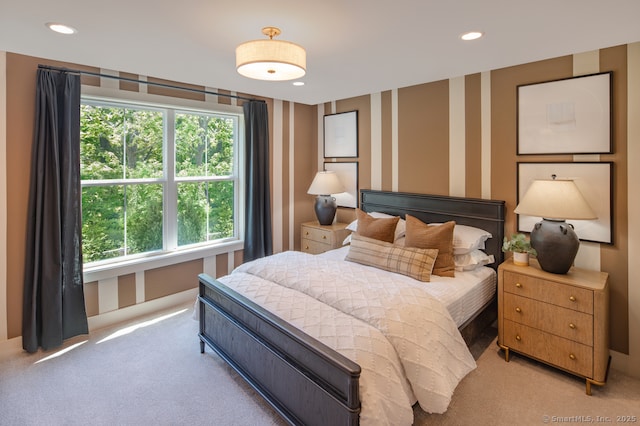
point(555, 199)
point(271, 59)
point(325, 183)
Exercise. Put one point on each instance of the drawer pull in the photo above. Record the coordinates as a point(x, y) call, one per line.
point(572, 326)
point(572, 356)
point(518, 338)
point(306, 248)
point(324, 237)
point(306, 233)
point(518, 285)
point(518, 310)
point(572, 298)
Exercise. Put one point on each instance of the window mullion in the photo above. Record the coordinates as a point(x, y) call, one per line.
point(171, 187)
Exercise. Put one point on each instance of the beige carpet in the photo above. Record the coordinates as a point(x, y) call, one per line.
point(526, 392)
point(151, 372)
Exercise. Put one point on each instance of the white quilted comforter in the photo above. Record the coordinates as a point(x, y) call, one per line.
point(404, 340)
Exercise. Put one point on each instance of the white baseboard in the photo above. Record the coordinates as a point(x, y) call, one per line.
point(13, 346)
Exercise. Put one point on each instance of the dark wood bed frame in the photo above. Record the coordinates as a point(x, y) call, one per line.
point(305, 381)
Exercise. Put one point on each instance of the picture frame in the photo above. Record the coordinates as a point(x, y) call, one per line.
point(568, 116)
point(348, 174)
point(593, 179)
point(341, 135)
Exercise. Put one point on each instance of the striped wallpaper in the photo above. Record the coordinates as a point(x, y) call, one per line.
point(450, 137)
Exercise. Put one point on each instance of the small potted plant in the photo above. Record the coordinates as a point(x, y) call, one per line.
point(521, 248)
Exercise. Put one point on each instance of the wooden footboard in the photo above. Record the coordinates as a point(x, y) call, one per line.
point(304, 380)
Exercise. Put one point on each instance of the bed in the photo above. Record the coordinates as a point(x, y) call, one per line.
point(310, 376)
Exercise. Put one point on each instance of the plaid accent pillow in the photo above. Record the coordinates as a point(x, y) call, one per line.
point(413, 262)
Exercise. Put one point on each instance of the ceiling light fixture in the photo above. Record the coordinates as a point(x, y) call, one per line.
point(471, 35)
point(271, 59)
point(61, 28)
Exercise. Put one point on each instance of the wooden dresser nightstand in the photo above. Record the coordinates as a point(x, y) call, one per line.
point(316, 238)
point(559, 319)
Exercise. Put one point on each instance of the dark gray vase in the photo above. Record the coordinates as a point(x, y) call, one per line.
point(556, 243)
point(325, 209)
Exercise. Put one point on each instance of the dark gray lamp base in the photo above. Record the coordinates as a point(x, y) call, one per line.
point(556, 243)
point(325, 209)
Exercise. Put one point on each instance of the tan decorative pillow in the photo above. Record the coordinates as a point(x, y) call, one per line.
point(421, 235)
point(379, 229)
point(412, 262)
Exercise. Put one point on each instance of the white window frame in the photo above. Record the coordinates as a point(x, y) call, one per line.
point(171, 253)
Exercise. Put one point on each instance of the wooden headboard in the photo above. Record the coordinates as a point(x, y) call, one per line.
point(484, 214)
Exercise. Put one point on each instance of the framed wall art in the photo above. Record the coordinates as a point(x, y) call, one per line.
point(569, 116)
point(348, 175)
point(594, 180)
point(341, 135)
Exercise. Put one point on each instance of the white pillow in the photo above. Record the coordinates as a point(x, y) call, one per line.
point(400, 227)
point(468, 238)
point(472, 260)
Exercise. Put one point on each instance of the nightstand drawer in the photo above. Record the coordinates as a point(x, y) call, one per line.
point(314, 247)
point(316, 238)
point(567, 296)
point(317, 234)
point(567, 323)
point(563, 353)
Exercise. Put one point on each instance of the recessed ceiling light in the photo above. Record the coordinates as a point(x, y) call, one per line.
point(61, 28)
point(298, 83)
point(471, 35)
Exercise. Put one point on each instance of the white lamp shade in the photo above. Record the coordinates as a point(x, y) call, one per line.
point(326, 183)
point(273, 60)
point(555, 199)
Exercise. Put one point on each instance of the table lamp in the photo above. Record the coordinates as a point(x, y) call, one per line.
point(323, 185)
point(554, 239)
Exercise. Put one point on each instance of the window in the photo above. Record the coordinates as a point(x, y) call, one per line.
point(156, 179)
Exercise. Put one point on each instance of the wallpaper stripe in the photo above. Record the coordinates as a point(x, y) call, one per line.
point(210, 97)
point(292, 173)
point(589, 253)
point(143, 88)
point(633, 176)
point(457, 147)
point(109, 83)
point(394, 140)
point(108, 295)
point(3, 197)
point(485, 117)
point(586, 63)
point(277, 177)
point(320, 147)
point(140, 294)
point(231, 262)
point(209, 266)
point(376, 141)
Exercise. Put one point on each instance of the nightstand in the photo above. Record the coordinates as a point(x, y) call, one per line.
point(559, 319)
point(316, 238)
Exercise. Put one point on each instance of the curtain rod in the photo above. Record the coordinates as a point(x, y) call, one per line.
point(134, 80)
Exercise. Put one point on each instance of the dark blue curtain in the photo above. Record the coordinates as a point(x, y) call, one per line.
point(53, 308)
point(257, 236)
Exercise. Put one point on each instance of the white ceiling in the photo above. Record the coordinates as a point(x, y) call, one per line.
point(354, 47)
